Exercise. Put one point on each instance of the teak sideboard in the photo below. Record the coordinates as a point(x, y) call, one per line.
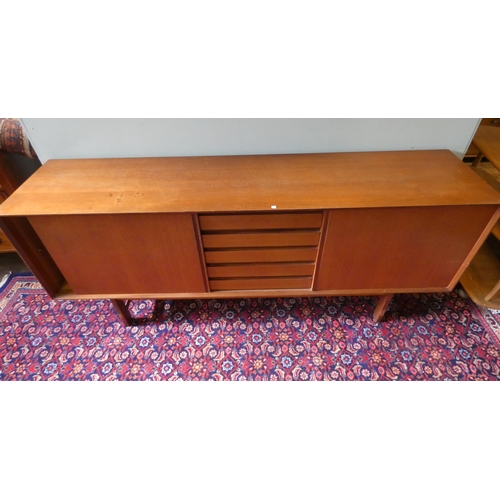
point(374, 223)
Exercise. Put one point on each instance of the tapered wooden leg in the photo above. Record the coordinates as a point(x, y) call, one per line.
point(476, 161)
point(121, 307)
point(382, 305)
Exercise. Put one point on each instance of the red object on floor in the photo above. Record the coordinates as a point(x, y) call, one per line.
point(13, 138)
point(423, 337)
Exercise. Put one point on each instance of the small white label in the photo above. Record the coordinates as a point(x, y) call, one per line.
point(273, 207)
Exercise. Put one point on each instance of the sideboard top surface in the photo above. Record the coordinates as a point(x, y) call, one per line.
point(249, 183)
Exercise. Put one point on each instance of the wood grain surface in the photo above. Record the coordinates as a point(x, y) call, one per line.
point(249, 183)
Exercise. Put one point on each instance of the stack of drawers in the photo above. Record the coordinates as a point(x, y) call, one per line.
point(261, 251)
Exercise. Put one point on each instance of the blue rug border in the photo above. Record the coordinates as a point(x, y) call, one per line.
point(13, 275)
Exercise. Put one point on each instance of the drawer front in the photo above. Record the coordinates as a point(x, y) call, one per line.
point(261, 251)
point(261, 284)
point(261, 239)
point(246, 222)
point(260, 270)
point(261, 255)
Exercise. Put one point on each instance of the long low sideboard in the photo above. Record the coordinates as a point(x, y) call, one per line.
point(371, 223)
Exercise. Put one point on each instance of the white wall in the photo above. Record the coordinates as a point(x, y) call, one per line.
point(121, 137)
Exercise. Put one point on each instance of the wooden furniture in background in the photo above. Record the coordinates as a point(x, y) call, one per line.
point(487, 142)
point(481, 281)
point(251, 226)
point(14, 170)
point(472, 151)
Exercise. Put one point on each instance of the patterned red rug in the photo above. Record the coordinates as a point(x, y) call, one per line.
point(424, 337)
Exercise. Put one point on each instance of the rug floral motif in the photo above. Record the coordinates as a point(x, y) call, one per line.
point(423, 337)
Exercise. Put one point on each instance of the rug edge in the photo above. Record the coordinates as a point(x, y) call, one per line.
point(12, 275)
